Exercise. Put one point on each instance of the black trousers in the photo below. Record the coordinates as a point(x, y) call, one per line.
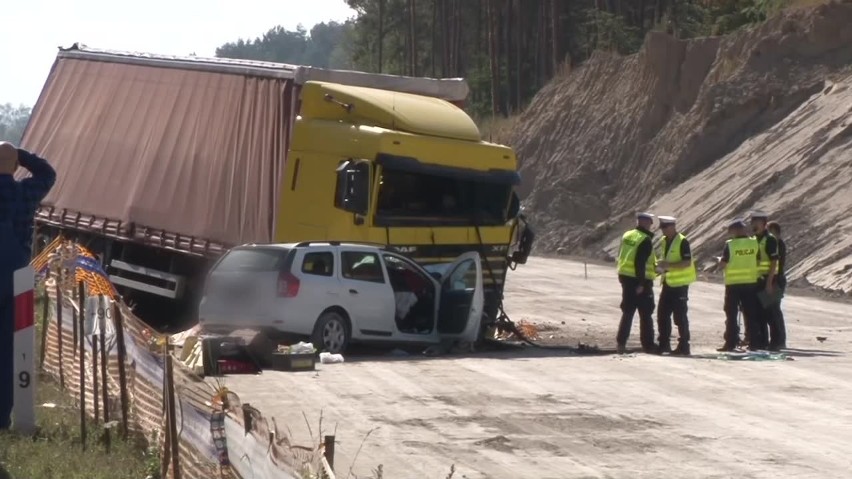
point(763, 319)
point(743, 297)
point(673, 302)
point(777, 326)
point(632, 302)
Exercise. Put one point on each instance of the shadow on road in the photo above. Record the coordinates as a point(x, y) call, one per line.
point(811, 353)
point(372, 353)
point(490, 350)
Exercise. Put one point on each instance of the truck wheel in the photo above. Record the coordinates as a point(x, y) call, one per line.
point(331, 333)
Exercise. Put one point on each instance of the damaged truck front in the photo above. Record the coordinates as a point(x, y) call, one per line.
point(166, 162)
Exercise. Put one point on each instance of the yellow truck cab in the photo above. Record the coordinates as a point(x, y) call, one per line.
point(403, 170)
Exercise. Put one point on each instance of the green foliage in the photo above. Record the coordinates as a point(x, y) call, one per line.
point(508, 47)
point(610, 32)
point(13, 121)
point(55, 452)
point(759, 10)
point(325, 46)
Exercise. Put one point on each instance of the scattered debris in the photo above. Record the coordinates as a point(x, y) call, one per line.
point(754, 356)
point(298, 348)
point(329, 358)
point(527, 329)
point(821, 338)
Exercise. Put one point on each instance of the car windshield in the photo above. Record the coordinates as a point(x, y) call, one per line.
point(426, 198)
point(253, 259)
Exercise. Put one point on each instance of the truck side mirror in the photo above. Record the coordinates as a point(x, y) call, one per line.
point(352, 191)
point(514, 206)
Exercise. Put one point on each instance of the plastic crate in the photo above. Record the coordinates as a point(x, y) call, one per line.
point(294, 362)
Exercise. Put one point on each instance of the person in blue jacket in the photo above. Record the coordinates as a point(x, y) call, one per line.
point(18, 203)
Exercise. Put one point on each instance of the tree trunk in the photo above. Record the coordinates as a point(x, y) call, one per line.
point(492, 54)
point(508, 32)
point(520, 45)
point(537, 47)
point(381, 34)
point(554, 35)
point(435, 36)
point(445, 21)
point(457, 56)
point(412, 36)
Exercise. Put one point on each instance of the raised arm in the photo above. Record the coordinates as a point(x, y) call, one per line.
point(43, 176)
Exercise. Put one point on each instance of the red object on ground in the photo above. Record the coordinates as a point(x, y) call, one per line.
point(233, 366)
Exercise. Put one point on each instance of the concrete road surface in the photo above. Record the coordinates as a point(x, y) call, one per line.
point(544, 414)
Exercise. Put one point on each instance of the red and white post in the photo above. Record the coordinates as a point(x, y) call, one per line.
point(23, 413)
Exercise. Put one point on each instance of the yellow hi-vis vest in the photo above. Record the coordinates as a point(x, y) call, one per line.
point(627, 255)
point(742, 261)
point(677, 276)
point(764, 263)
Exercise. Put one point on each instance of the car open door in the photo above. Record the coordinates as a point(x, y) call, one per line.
point(461, 299)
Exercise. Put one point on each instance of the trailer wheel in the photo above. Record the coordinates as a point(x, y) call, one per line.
point(332, 332)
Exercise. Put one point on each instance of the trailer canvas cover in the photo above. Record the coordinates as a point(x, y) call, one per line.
point(184, 153)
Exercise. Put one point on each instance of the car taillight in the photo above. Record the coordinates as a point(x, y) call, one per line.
point(288, 285)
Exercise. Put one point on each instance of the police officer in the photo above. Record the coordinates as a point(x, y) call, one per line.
point(18, 202)
point(678, 272)
point(767, 269)
point(739, 261)
point(636, 273)
point(777, 325)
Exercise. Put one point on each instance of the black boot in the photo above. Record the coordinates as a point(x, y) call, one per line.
point(682, 349)
point(665, 347)
point(651, 349)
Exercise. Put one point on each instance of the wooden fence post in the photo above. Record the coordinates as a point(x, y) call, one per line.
point(174, 442)
point(82, 347)
point(75, 296)
point(95, 385)
point(328, 451)
point(59, 308)
point(122, 372)
point(104, 383)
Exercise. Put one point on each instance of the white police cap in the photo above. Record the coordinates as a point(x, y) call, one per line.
point(759, 215)
point(644, 216)
point(667, 220)
point(737, 223)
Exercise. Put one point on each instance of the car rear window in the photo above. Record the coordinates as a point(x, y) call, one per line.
point(254, 259)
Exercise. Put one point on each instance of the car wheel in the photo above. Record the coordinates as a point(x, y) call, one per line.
point(331, 333)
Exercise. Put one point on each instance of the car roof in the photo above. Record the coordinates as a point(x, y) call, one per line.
point(307, 244)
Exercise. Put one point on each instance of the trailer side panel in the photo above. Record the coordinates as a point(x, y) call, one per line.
point(127, 139)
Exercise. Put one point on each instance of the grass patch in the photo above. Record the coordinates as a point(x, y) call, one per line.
point(56, 450)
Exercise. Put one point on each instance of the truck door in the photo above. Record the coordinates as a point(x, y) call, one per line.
point(461, 299)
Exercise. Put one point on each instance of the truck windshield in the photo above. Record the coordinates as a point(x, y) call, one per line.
point(418, 198)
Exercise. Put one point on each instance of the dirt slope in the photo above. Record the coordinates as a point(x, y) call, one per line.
point(703, 129)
